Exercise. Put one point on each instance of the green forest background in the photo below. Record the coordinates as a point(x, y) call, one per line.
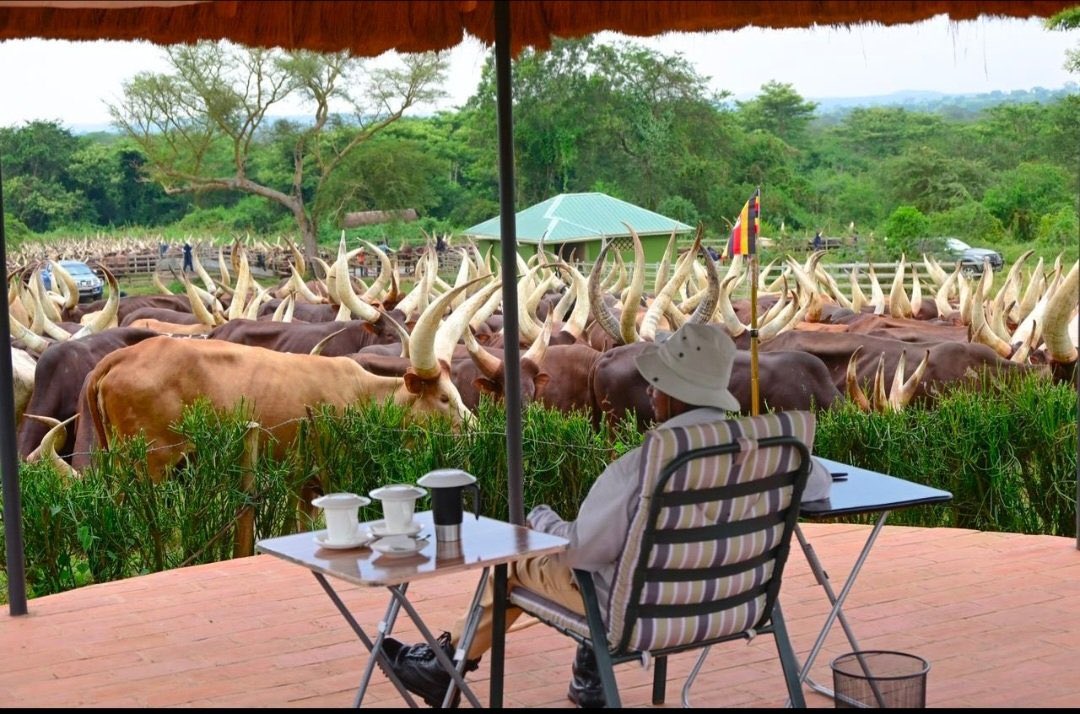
point(621, 119)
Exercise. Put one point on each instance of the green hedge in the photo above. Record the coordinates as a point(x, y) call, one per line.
point(1006, 452)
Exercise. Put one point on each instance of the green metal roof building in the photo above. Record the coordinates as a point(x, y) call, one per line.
point(574, 226)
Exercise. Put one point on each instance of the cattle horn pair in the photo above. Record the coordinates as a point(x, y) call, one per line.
point(34, 342)
point(345, 294)
point(1059, 310)
point(53, 440)
point(284, 310)
point(899, 304)
point(298, 257)
point(198, 307)
point(297, 285)
point(385, 276)
point(161, 287)
point(665, 265)
point(901, 391)
point(431, 342)
point(575, 324)
point(71, 290)
point(600, 311)
point(665, 297)
point(106, 317)
point(934, 270)
point(628, 319)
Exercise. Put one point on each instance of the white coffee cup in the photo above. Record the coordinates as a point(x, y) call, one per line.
point(342, 517)
point(398, 504)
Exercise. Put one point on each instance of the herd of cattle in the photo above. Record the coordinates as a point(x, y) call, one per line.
point(87, 373)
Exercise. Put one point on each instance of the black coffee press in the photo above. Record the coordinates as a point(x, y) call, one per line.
point(445, 486)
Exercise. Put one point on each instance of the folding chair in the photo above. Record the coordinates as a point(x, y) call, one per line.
point(705, 551)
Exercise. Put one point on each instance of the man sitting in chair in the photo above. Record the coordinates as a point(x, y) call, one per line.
point(688, 384)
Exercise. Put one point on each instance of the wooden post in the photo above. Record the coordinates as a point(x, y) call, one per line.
point(244, 543)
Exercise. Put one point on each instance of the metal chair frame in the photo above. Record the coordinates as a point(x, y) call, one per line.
point(771, 620)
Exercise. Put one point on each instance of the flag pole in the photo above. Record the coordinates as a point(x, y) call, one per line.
point(753, 229)
point(754, 401)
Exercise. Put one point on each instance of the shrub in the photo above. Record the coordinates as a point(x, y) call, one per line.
point(903, 227)
point(1006, 451)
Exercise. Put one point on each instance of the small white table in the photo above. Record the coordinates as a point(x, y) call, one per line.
point(485, 543)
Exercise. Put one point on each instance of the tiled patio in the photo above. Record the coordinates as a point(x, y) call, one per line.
point(997, 615)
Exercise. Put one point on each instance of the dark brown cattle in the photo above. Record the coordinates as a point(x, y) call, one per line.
point(301, 311)
point(471, 381)
point(162, 314)
point(949, 361)
point(130, 304)
point(496, 340)
point(570, 367)
point(59, 378)
point(786, 380)
point(907, 330)
point(301, 337)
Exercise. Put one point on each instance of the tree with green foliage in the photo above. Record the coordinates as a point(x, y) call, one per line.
point(653, 128)
point(38, 189)
point(1068, 19)
point(879, 132)
point(904, 227)
point(1060, 229)
point(931, 180)
point(779, 110)
point(1022, 195)
point(970, 221)
point(199, 123)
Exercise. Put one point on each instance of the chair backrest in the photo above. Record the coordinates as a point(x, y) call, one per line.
point(707, 546)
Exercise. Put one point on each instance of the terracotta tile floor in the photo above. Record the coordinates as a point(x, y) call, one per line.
point(997, 615)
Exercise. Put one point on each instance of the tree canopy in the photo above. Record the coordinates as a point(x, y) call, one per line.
point(201, 124)
point(208, 145)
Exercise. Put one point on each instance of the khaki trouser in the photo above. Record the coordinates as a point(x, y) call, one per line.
point(543, 575)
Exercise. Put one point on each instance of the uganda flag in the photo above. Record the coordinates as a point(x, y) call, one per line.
point(744, 234)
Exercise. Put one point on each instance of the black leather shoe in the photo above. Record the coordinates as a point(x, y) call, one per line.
point(421, 673)
point(586, 691)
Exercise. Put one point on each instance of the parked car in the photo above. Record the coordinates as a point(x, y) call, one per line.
point(972, 259)
point(91, 287)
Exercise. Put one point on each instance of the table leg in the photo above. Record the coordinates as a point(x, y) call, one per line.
point(471, 623)
point(374, 653)
point(386, 626)
point(837, 602)
point(498, 637)
point(445, 662)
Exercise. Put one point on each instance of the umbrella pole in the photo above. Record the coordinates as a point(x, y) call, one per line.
point(9, 465)
point(508, 242)
point(754, 400)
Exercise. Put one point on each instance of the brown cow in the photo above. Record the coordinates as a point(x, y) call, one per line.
point(787, 380)
point(301, 337)
point(146, 387)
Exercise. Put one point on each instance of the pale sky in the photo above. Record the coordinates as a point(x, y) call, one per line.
point(70, 81)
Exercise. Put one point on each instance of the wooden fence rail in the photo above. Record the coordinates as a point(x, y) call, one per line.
point(277, 265)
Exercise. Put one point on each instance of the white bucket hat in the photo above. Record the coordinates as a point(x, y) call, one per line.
point(693, 365)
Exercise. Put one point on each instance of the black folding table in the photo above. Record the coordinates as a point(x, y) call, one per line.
point(855, 491)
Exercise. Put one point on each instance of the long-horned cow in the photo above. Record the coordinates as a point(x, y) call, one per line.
point(146, 387)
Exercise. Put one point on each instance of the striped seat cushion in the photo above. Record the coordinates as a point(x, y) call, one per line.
point(548, 611)
point(752, 463)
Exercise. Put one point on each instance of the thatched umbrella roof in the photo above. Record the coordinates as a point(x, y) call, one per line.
point(369, 28)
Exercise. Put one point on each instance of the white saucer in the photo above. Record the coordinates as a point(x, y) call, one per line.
point(379, 529)
point(399, 545)
point(363, 538)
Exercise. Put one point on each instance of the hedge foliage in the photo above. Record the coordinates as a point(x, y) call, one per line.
point(1008, 454)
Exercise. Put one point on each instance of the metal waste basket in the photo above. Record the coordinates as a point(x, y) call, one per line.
point(879, 679)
